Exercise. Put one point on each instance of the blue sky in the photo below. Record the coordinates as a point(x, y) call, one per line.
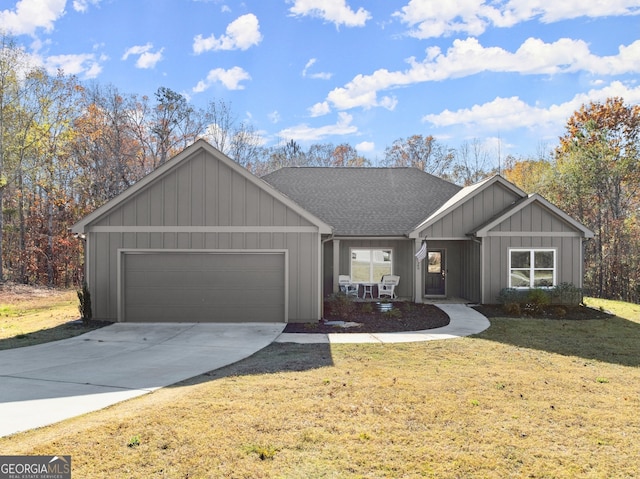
point(507, 73)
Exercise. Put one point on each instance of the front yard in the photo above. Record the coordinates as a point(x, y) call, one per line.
point(526, 398)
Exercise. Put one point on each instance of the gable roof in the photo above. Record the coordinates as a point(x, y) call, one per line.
point(483, 230)
point(461, 197)
point(80, 226)
point(365, 201)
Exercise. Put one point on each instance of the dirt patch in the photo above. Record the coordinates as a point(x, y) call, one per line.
point(369, 318)
point(546, 312)
point(11, 293)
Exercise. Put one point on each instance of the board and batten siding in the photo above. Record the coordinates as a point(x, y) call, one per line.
point(532, 227)
point(477, 210)
point(403, 260)
point(204, 204)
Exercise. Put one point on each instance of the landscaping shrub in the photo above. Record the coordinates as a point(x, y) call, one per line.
point(512, 309)
point(341, 305)
point(567, 294)
point(84, 296)
point(536, 300)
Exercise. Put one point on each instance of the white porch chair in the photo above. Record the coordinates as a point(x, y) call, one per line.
point(346, 286)
point(387, 285)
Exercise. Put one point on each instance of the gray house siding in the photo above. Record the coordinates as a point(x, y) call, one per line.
point(532, 227)
point(403, 261)
point(470, 258)
point(327, 269)
point(534, 218)
point(203, 204)
point(475, 211)
point(451, 230)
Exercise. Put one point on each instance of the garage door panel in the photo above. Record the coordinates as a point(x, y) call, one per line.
point(222, 315)
point(204, 287)
point(195, 297)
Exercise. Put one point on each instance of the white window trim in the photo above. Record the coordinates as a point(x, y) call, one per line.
point(532, 268)
point(372, 248)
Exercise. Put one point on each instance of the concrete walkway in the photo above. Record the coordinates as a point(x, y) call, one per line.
point(464, 321)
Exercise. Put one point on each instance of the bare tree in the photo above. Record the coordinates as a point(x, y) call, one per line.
point(424, 153)
point(472, 163)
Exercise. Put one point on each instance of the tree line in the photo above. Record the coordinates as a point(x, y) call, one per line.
point(594, 175)
point(67, 147)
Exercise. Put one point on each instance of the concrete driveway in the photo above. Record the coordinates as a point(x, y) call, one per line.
point(44, 384)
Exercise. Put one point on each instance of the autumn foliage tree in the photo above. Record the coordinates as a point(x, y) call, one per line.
point(597, 180)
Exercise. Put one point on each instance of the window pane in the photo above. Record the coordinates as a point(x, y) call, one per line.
point(543, 259)
point(520, 278)
point(520, 259)
point(543, 278)
point(368, 266)
point(379, 270)
point(435, 261)
point(360, 265)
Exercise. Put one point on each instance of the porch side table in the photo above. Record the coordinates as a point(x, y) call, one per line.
point(367, 288)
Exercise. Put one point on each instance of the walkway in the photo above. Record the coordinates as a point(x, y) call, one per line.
point(464, 321)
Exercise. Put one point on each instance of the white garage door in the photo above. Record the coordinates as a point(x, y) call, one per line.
point(203, 287)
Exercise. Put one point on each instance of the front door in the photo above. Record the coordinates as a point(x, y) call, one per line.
point(435, 284)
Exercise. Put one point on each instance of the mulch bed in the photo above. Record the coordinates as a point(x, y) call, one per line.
point(548, 312)
point(403, 316)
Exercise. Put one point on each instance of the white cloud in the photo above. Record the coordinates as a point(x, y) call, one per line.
point(315, 76)
point(83, 5)
point(305, 132)
point(366, 146)
point(137, 50)
point(29, 15)
point(505, 114)
point(469, 57)
point(549, 12)
point(436, 19)
point(320, 109)
point(429, 19)
point(84, 63)
point(334, 11)
point(274, 117)
point(147, 58)
point(230, 79)
point(241, 34)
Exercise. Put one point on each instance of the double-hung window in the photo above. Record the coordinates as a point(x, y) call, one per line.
point(532, 268)
point(368, 265)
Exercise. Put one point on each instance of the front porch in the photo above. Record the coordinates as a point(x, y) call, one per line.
point(449, 273)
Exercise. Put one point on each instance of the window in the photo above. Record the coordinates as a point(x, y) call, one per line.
point(532, 268)
point(369, 265)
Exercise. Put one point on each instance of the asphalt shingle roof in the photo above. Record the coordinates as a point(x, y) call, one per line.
point(365, 201)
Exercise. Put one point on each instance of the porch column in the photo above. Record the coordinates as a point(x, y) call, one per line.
point(336, 265)
point(418, 287)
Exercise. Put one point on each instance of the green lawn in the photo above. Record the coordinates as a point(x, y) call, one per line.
point(525, 398)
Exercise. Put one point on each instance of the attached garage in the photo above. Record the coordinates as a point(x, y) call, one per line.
point(203, 286)
point(201, 239)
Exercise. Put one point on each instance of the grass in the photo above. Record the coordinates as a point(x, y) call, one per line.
point(525, 398)
point(31, 316)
